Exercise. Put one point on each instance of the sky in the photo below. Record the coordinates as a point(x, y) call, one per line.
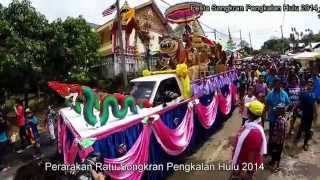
point(261, 26)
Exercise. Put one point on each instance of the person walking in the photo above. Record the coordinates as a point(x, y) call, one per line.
point(261, 88)
point(246, 99)
point(21, 122)
point(277, 137)
point(50, 121)
point(261, 91)
point(275, 97)
point(316, 86)
point(243, 81)
point(309, 113)
point(4, 140)
point(32, 123)
point(252, 79)
point(294, 91)
point(250, 144)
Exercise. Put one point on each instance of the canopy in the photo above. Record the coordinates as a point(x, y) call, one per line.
point(207, 41)
point(247, 58)
point(201, 41)
point(306, 56)
point(183, 12)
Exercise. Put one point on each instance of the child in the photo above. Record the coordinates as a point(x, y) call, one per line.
point(51, 116)
point(32, 123)
point(246, 99)
point(277, 137)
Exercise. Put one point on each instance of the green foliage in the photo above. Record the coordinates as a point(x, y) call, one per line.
point(73, 44)
point(22, 44)
point(311, 38)
point(246, 50)
point(32, 50)
point(275, 45)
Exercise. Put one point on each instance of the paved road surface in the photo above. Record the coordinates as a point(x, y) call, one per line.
point(296, 163)
point(16, 160)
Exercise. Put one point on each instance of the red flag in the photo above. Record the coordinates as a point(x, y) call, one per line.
point(109, 10)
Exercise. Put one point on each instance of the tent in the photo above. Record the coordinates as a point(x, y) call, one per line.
point(306, 57)
point(311, 56)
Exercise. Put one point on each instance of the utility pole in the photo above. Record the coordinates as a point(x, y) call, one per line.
point(250, 41)
point(215, 34)
point(240, 39)
point(282, 40)
point(123, 61)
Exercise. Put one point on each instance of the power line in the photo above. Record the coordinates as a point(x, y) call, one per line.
point(250, 41)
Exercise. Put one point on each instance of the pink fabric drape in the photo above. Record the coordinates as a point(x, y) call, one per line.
point(207, 114)
point(225, 103)
point(175, 141)
point(60, 135)
point(137, 155)
point(234, 93)
point(83, 153)
point(69, 151)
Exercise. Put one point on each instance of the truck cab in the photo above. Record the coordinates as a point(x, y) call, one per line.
point(161, 89)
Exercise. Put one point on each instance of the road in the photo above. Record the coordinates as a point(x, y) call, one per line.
point(17, 160)
point(296, 163)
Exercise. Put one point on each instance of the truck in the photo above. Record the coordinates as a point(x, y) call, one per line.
point(121, 125)
point(88, 113)
point(161, 89)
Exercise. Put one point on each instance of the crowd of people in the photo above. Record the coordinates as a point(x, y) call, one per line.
point(28, 131)
point(277, 91)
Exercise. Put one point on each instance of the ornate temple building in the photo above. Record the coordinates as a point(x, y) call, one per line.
point(142, 27)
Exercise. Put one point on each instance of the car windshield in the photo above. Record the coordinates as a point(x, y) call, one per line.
point(142, 90)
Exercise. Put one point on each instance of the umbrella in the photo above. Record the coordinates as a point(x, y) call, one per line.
point(183, 12)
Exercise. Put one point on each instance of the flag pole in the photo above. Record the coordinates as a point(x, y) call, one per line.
point(121, 52)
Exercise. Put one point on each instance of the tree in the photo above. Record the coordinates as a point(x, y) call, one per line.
point(73, 49)
point(23, 45)
point(245, 47)
point(275, 45)
point(33, 51)
point(230, 44)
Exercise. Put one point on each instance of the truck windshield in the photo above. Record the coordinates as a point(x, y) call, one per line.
point(142, 90)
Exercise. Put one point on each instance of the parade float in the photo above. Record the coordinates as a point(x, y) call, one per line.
point(166, 115)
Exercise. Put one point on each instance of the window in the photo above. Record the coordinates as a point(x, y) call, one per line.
point(168, 91)
point(142, 90)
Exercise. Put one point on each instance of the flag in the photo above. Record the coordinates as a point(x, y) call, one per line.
point(109, 10)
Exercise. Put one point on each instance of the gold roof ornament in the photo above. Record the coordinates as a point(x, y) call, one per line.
point(126, 13)
point(125, 6)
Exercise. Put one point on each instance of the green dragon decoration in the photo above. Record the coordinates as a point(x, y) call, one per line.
point(92, 102)
point(76, 95)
